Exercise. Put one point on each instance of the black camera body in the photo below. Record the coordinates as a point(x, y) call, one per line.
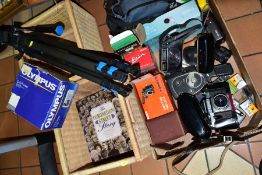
point(171, 45)
point(217, 103)
point(171, 58)
point(211, 109)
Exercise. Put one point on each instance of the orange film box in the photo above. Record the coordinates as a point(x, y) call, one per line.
point(154, 95)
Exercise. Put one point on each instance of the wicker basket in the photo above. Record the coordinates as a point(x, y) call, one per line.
point(81, 27)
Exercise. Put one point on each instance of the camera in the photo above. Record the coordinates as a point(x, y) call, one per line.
point(218, 105)
point(171, 44)
point(192, 82)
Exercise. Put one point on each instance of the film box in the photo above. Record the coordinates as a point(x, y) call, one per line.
point(124, 41)
point(41, 98)
point(236, 83)
point(128, 40)
point(143, 57)
point(154, 95)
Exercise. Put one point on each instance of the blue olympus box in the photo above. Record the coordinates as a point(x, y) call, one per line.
point(41, 98)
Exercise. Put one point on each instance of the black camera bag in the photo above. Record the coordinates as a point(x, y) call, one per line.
point(126, 14)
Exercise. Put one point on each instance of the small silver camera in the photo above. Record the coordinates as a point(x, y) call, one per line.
point(218, 104)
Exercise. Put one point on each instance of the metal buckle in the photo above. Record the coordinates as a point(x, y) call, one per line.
point(227, 138)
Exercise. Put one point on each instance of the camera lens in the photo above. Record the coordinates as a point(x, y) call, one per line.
point(220, 100)
point(174, 56)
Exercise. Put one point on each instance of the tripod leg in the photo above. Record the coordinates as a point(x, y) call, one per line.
point(44, 49)
point(96, 78)
point(46, 153)
point(111, 59)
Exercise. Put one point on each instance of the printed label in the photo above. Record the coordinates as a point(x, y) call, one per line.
point(238, 81)
point(56, 106)
point(26, 69)
point(68, 98)
point(34, 77)
point(13, 101)
point(106, 122)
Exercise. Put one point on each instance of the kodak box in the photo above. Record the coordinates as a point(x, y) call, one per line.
point(154, 95)
point(143, 57)
point(41, 98)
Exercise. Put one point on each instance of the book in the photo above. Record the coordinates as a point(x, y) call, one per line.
point(104, 126)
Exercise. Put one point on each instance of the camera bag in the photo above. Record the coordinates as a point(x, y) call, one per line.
point(126, 14)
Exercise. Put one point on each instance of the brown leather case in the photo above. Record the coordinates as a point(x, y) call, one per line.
point(165, 128)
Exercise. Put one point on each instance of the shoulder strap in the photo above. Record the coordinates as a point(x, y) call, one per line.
point(222, 157)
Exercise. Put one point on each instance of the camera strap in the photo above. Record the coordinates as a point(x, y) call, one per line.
point(228, 137)
point(217, 167)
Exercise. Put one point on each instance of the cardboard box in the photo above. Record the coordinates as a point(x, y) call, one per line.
point(41, 98)
point(154, 95)
point(143, 57)
point(124, 42)
point(71, 153)
point(236, 83)
point(128, 40)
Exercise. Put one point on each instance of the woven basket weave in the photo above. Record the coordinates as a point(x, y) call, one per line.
point(82, 28)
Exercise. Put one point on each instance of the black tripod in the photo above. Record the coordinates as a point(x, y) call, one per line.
point(106, 69)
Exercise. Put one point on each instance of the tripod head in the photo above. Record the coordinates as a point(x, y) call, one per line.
point(57, 28)
point(9, 32)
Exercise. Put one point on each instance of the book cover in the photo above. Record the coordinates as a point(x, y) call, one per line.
point(104, 126)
